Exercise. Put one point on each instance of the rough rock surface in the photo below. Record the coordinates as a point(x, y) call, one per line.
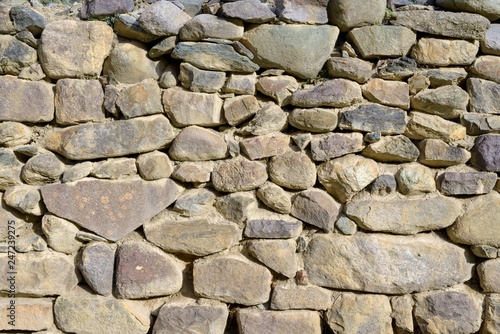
point(252, 321)
point(331, 93)
point(382, 41)
point(317, 208)
point(238, 174)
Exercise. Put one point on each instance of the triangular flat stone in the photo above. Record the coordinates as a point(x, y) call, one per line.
point(111, 209)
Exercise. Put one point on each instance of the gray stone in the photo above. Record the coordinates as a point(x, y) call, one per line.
point(251, 11)
point(277, 255)
point(268, 119)
point(265, 146)
point(163, 18)
point(128, 26)
point(488, 275)
point(382, 41)
point(444, 52)
point(331, 93)
point(400, 215)
point(487, 67)
point(483, 96)
point(446, 101)
point(188, 108)
point(360, 313)
point(78, 101)
point(141, 99)
point(350, 68)
point(41, 274)
point(15, 55)
point(31, 314)
point(128, 63)
point(14, 134)
point(197, 172)
point(105, 7)
point(289, 296)
point(348, 14)
point(383, 185)
point(198, 144)
point(292, 170)
point(198, 80)
point(491, 323)
point(114, 168)
point(345, 176)
point(489, 8)
point(379, 260)
point(241, 83)
point(454, 310)
point(274, 197)
point(238, 279)
point(314, 119)
point(346, 226)
point(303, 11)
point(97, 263)
point(143, 270)
point(441, 23)
point(396, 69)
point(240, 108)
point(237, 207)
point(402, 313)
point(389, 93)
point(491, 42)
point(424, 126)
point(445, 76)
point(102, 140)
point(25, 18)
point(10, 169)
point(317, 208)
point(212, 56)
point(89, 313)
point(189, 315)
point(280, 87)
point(194, 202)
point(238, 174)
point(486, 153)
point(300, 50)
point(26, 101)
point(164, 47)
point(436, 153)
point(417, 83)
point(197, 236)
point(26, 199)
point(333, 145)
point(154, 165)
point(43, 168)
point(478, 124)
point(392, 149)
point(269, 225)
point(466, 183)
point(6, 24)
point(485, 251)
point(477, 226)
point(77, 172)
point(65, 44)
point(374, 118)
point(105, 204)
point(210, 26)
point(34, 73)
point(254, 321)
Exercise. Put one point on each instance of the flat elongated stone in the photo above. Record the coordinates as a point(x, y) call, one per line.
point(191, 235)
point(91, 141)
point(40, 273)
point(382, 41)
point(446, 101)
point(197, 80)
point(333, 145)
point(211, 26)
point(444, 52)
point(300, 50)
point(484, 96)
point(106, 7)
point(289, 296)
point(486, 153)
point(198, 144)
point(331, 93)
point(423, 126)
point(487, 8)
point(211, 56)
point(30, 314)
point(314, 119)
point(348, 14)
point(269, 225)
point(253, 321)
point(350, 68)
point(265, 146)
point(436, 153)
point(71, 48)
point(389, 93)
point(466, 183)
point(111, 209)
point(300, 11)
point(374, 118)
point(456, 25)
point(392, 149)
point(374, 262)
point(238, 175)
point(252, 11)
point(26, 101)
point(445, 76)
point(404, 215)
point(478, 124)
point(239, 280)
point(479, 224)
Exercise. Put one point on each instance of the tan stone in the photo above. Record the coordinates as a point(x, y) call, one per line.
point(238, 174)
point(266, 224)
point(488, 275)
point(28, 314)
point(140, 99)
point(43, 168)
point(74, 49)
point(483, 96)
point(14, 134)
point(254, 321)
point(331, 93)
point(265, 146)
point(193, 171)
point(198, 144)
point(79, 101)
point(293, 170)
point(436, 153)
point(445, 76)
point(333, 145)
point(423, 126)
point(24, 198)
point(444, 52)
point(270, 118)
point(241, 83)
point(277, 255)
point(415, 178)
point(487, 67)
point(114, 169)
point(382, 41)
point(392, 149)
point(402, 313)
point(303, 11)
point(154, 165)
point(446, 101)
point(274, 197)
point(240, 108)
point(317, 208)
point(15, 55)
point(289, 296)
point(488, 8)
point(389, 93)
point(280, 88)
point(211, 26)
point(237, 207)
point(314, 119)
point(350, 68)
point(61, 234)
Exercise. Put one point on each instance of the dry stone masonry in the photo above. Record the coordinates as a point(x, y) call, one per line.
point(251, 166)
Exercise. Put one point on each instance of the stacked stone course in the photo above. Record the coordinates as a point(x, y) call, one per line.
point(298, 166)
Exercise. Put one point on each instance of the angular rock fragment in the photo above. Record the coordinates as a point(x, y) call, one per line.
point(333, 145)
point(446, 101)
point(105, 205)
point(15, 55)
point(423, 126)
point(198, 80)
point(43, 168)
point(241, 83)
point(78, 101)
point(140, 99)
point(269, 225)
point(488, 273)
point(345, 176)
point(128, 26)
point(487, 67)
point(384, 184)
point(103, 140)
point(198, 144)
point(254, 321)
point(197, 236)
point(97, 263)
point(485, 251)
point(14, 134)
point(188, 108)
point(274, 197)
point(436, 153)
point(331, 93)
point(194, 202)
point(478, 124)
point(77, 172)
point(486, 153)
point(300, 50)
point(251, 11)
point(60, 234)
point(277, 255)
point(488, 9)
point(396, 69)
point(445, 76)
point(240, 108)
point(314, 119)
point(392, 149)
point(382, 41)
point(389, 93)
point(238, 279)
point(292, 170)
point(491, 323)
point(466, 183)
point(491, 42)
point(164, 47)
point(379, 260)
point(197, 172)
point(289, 296)
point(237, 207)
point(6, 24)
point(374, 118)
point(163, 18)
point(317, 208)
point(73, 49)
point(483, 96)
point(114, 168)
point(210, 26)
point(348, 14)
point(268, 119)
point(400, 215)
point(444, 52)
point(10, 169)
point(154, 165)
point(265, 146)
point(280, 88)
point(350, 68)
point(238, 174)
point(26, 199)
point(402, 313)
point(106, 7)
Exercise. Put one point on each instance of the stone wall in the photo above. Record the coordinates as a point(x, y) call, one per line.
point(250, 166)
